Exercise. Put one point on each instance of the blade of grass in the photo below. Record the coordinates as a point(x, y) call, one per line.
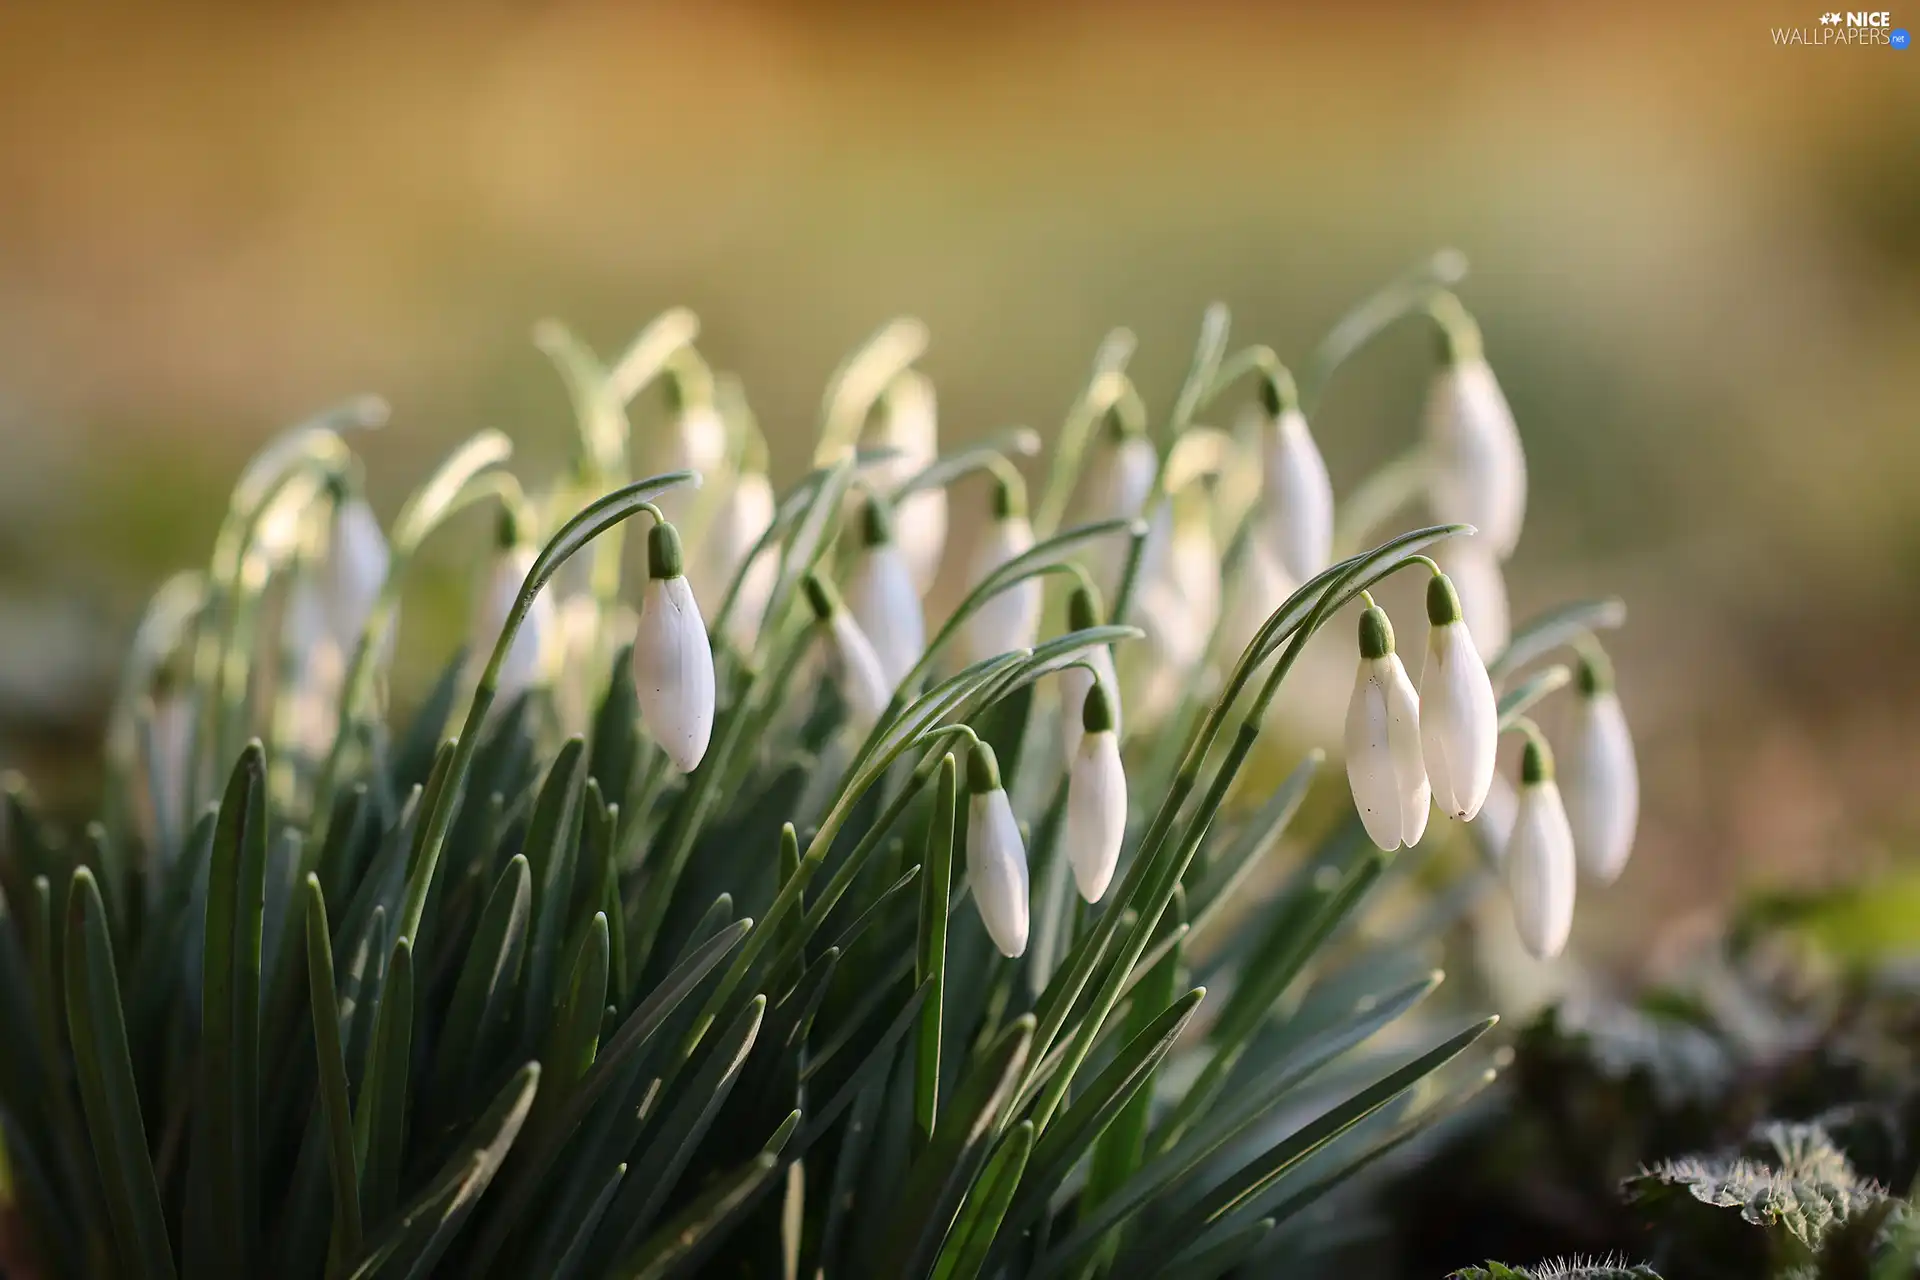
point(334, 1106)
point(930, 950)
point(979, 1224)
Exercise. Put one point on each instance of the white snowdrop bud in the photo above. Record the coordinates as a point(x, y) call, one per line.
point(882, 598)
point(1459, 720)
point(1118, 479)
point(1297, 494)
point(907, 421)
point(756, 593)
point(1096, 819)
point(672, 660)
point(1603, 778)
point(524, 663)
point(863, 682)
point(742, 515)
point(1083, 612)
point(996, 859)
point(1008, 619)
point(1540, 863)
point(1384, 768)
point(1479, 469)
point(355, 569)
point(1482, 591)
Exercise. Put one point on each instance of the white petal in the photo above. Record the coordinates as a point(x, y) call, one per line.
point(1297, 497)
point(1459, 722)
point(739, 520)
point(673, 671)
point(1480, 470)
point(1603, 786)
point(1370, 768)
point(863, 681)
point(1540, 871)
point(881, 596)
point(756, 593)
point(357, 562)
point(1075, 683)
point(1482, 589)
point(524, 662)
point(1118, 481)
point(920, 530)
point(1096, 820)
point(997, 871)
point(1403, 741)
point(1010, 619)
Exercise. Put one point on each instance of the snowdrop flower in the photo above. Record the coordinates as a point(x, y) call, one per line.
point(908, 423)
point(1119, 479)
point(1480, 471)
point(354, 571)
point(1603, 778)
point(1482, 591)
point(996, 859)
point(1298, 495)
point(1179, 603)
point(756, 593)
point(1459, 721)
point(1263, 585)
point(1083, 612)
point(672, 661)
point(1384, 767)
point(882, 599)
point(743, 513)
point(1008, 619)
point(863, 681)
point(696, 435)
point(524, 662)
point(1096, 820)
point(1540, 862)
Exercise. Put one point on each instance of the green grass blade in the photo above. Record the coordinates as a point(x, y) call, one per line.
point(107, 1091)
point(973, 1235)
point(551, 838)
point(334, 1106)
point(1220, 1259)
point(930, 949)
point(380, 1123)
point(1540, 636)
point(576, 1025)
point(576, 1253)
point(678, 1245)
point(483, 1003)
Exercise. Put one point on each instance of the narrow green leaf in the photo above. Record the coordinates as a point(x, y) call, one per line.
point(576, 1253)
point(1256, 839)
point(549, 852)
point(576, 1025)
point(930, 949)
point(616, 731)
point(973, 1235)
point(1540, 636)
point(107, 1091)
point(483, 1004)
point(941, 1175)
point(335, 1108)
point(380, 1131)
point(1220, 1259)
point(678, 1244)
point(1522, 698)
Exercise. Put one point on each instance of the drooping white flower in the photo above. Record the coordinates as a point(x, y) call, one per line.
point(882, 598)
point(1118, 479)
point(1602, 776)
point(1482, 590)
point(524, 664)
point(1096, 819)
point(1459, 720)
point(355, 570)
point(1178, 603)
point(1260, 587)
point(907, 422)
point(1384, 766)
point(1479, 469)
point(863, 681)
point(756, 593)
point(1540, 861)
point(1083, 612)
point(672, 659)
point(996, 858)
point(743, 513)
point(1008, 619)
point(1296, 492)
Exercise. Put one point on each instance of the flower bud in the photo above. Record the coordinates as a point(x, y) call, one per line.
point(1118, 479)
point(741, 516)
point(355, 571)
point(1296, 492)
point(524, 664)
point(1480, 470)
point(1602, 776)
point(1083, 612)
point(1459, 719)
point(1010, 618)
point(1384, 766)
point(907, 422)
point(996, 858)
point(882, 598)
point(1096, 818)
point(1539, 861)
point(672, 659)
point(863, 682)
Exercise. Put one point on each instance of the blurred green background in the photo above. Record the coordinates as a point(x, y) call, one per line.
point(1696, 258)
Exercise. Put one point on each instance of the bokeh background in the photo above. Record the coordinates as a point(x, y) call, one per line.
point(1696, 258)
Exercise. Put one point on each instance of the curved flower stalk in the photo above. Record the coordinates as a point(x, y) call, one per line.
point(525, 663)
point(1009, 619)
point(1479, 469)
point(1459, 720)
point(882, 598)
point(1297, 493)
point(672, 663)
point(1481, 588)
point(1602, 776)
point(996, 857)
point(1083, 614)
point(1096, 821)
point(1540, 859)
point(1384, 764)
point(863, 679)
point(907, 422)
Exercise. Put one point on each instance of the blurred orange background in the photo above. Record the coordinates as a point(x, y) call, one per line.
point(1696, 258)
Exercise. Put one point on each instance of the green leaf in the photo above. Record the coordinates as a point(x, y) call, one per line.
point(576, 1026)
point(979, 1223)
point(1540, 636)
point(380, 1123)
point(1257, 837)
point(482, 1006)
point(941, 1175)
point(1523, 697)
point(335, 1109)
point(576, 1252)
point(930, 948)
point(551, 838)
point(107, 1090)
point(1221, 1258)
point(676, 1246)
point(227, 1150)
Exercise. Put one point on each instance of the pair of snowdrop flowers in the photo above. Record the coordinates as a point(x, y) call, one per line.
point(1408, 750)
